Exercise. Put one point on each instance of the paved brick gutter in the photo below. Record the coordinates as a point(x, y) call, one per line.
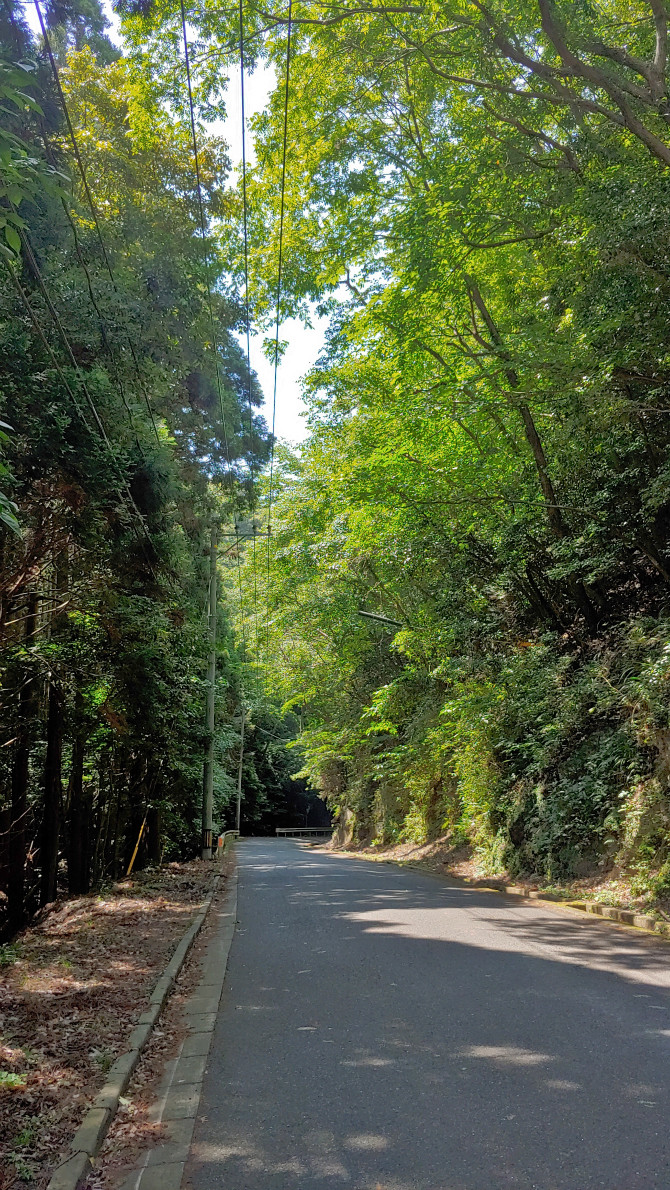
point(162, 1167)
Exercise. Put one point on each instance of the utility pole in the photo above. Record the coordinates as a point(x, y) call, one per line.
point(239, 774)
point(208, 767)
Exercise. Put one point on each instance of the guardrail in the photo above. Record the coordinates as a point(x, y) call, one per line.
point(300, 831)
point(224, 841)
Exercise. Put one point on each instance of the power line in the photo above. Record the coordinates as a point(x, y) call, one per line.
point(248, 321)
point(203, 234)
point(91, 404)
point(57, 322)
point(279, 278)
point(103, 336)
point(244, 210)
point(94, 213)
point(45, 342)
point(239, 581)
point(91, 203)
point(68, 121)
point(68, 387)
point(96, 220)
point(61, 331)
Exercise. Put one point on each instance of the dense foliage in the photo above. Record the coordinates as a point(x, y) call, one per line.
point(130, 425)
point(465, 607)
point(479, 196)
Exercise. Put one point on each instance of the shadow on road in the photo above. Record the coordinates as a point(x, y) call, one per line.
point(383, 1031)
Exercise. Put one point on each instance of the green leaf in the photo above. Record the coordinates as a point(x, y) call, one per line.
point(7, 510)
point(13, 238)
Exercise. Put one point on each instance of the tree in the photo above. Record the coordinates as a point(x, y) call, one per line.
point(487, 467)
point(130, 404)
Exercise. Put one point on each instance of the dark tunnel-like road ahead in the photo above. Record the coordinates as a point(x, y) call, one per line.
point(380, 1030)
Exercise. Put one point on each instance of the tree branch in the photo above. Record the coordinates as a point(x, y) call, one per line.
point(535, 134)
point(661, 23)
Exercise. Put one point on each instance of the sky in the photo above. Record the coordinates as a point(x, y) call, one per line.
point(304, 343)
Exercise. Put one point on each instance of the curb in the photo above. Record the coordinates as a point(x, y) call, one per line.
point(177, 1101)
point(88, 1138)
point(625, 917)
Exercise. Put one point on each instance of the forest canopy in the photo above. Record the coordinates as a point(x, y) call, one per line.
point(470, 568)
point(131, 430)
point(454, 593)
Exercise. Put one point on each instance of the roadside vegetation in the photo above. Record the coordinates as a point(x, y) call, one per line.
point(470, 576)
point(461, 619)
point(130, 425)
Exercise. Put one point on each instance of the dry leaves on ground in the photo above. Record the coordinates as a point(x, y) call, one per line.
point(71, 989)
point(133, 1130)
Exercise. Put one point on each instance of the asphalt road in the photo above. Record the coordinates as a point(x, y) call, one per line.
point(380, 1030)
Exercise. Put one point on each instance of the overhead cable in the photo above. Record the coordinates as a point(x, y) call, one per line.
point(203, 233)
point(68, 388)
point(278, 314)
point(94, 212)
point(248, 320)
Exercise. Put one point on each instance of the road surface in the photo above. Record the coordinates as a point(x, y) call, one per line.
point(380, 1030)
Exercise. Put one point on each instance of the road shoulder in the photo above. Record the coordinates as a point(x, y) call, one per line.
point(169, 1117)
point(592, 912)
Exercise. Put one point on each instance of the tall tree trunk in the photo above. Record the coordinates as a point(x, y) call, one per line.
point(53, 781)
point(153, 835)
point(554, 515)
point(76, 875)
point(100, 812)
point(5, 821)
point(53, 794)
point(20, 775)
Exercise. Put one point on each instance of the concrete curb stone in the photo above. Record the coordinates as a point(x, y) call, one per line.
point(139, 1036)
point(161, 991)
point(91, 1131)
point(177, 1099)
point(88, 1138)
point(627, 917)
point(71, 1173)
point(118, 1078)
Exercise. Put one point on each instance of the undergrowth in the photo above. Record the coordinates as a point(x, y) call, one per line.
point(550, 764)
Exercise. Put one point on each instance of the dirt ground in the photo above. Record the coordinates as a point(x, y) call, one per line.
point(132, 1131)
point(71, 989)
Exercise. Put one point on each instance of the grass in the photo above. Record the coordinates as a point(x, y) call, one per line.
point(11, 1080)
point(103, 1059)
point(10, 953)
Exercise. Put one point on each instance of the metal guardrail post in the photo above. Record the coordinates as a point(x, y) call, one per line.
point(224, 841)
